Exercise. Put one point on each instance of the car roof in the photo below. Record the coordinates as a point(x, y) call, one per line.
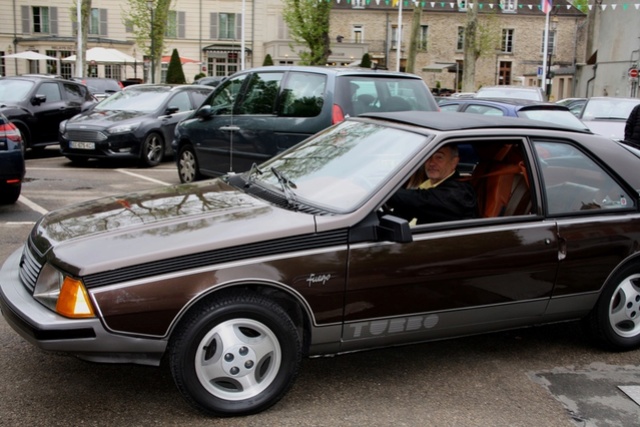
point(516, 102)
point(338, 71)
point(449, 121)
point(166, 87)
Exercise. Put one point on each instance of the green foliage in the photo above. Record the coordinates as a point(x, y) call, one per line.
point(365, 62)
point(308, 22)
point(137, 16)
point(267, 60)
point(175, 74)
point(199, 76)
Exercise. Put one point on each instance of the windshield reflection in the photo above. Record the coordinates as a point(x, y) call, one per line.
point(343, 166)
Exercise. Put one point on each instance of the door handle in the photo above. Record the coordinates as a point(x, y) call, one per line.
point(562, 248)
point(231, 128)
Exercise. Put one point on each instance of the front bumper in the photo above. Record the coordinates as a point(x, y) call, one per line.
point(121, 146)
point(85, 338)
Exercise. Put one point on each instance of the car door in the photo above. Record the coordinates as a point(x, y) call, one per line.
point(181, 101)
point(48, 113)
point(453, 278)
point(591, 208)
point(212, 136)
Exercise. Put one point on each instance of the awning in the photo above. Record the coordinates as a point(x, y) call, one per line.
point(101, 55)
point(183, 60)
point(437, 67)
point(222, 48)
point(31, 55)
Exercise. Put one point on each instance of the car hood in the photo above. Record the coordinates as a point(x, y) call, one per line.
point(613, 129)
point(104, 118)
point(168, 222)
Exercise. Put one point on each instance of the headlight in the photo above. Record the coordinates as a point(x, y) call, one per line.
point(123, 128)
point(63, 294)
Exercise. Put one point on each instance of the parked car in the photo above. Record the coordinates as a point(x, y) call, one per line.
point(573, 104)
point(533, 93)
point(12, 167)
point(101, 88)
point(136, 123)
point(535, 110)
point(608, 115)
point(37, 104)
point(258, 113)
point(233, 280)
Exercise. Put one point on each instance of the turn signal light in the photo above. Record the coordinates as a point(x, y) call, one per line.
point(74, 300)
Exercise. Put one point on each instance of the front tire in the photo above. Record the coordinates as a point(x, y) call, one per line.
point(615, 321)
point(188, 165)
point(152, 150)
point(237, 356)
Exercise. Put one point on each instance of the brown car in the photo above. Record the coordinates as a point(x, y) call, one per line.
point(233, 280)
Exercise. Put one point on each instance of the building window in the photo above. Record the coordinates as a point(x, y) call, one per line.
point(508, 5)
point(422, 37)
point(40, 19)
point(460, 42)
point(113, 71)
point(283, 29)
point(507, 40)
point(3, 68)
point(358, 34)
point(175, 25)
point(226, 26)
point(394, 36)
point(66, 69)
point(357, 4)
point(552, 42)
point(98, 22)
point(223, 64)
point(462, 5)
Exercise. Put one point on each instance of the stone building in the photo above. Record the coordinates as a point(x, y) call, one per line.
point(212, 35)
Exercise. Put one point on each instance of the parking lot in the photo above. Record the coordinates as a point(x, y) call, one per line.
point(547, 376)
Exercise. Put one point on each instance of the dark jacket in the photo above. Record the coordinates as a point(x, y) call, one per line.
point(450, 200)
point(632, 128)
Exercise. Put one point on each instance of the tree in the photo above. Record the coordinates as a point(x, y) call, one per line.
point(175, 73)
point(413, 38)
point(267, 60)
point(149, 33)
point(480, 39)
point(308, 22)
point(365, 62)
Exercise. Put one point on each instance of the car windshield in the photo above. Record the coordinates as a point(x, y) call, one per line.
point(341, 167)
point(608, 108)
point(560, 117)
point(146, 99)
point(14, 90)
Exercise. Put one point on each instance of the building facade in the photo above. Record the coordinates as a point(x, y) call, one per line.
point(221, 36)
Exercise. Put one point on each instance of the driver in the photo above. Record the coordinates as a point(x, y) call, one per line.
point(442, 197)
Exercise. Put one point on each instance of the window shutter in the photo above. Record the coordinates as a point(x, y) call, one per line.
point(182, 18)
point(214, 26)
point(26, 21)
point(53, 20)
point(103, 22)
point(238, 26)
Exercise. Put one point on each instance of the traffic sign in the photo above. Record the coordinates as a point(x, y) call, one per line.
point(633, 73)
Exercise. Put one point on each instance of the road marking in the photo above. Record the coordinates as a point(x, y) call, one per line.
point(32, 205)
point(126, 172)
point(632, 391)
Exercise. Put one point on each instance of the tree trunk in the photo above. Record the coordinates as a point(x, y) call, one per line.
point(470, 50)
point(413, 38)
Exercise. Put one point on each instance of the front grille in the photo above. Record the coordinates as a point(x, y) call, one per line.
point(30, 268)
point(85, 135)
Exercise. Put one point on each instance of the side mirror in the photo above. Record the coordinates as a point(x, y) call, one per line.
point(171, 110)
point(205, 112)
point(38, 99)
point(394, 229)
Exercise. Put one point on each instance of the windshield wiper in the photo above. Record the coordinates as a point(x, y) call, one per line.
point(287, 186)
point(253, 174)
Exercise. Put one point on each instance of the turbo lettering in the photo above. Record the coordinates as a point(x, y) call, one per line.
point(378, 328)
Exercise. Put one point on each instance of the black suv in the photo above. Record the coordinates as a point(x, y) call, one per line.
point(37, 105)
point(257, 113)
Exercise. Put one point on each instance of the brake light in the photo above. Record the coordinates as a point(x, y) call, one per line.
point(10, 131)
point(337, 115)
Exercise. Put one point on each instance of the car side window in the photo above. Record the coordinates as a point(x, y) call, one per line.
point(51, 90)
point(182, 101)
point(302, 95)
point(75, 93)
point(573, 182)
point(450, 107)
point(261, 93)
point(225, 95)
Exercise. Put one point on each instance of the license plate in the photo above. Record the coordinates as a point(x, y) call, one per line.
point(82, 145)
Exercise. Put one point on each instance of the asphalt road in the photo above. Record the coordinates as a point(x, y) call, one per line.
point(545, 376)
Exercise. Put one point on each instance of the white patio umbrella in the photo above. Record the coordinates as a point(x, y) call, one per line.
point(29, 54)
point(103, 55)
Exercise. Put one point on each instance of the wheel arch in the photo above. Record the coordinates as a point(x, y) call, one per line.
point(290, 300)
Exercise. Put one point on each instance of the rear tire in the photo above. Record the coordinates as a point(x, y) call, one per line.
point(10, 194)
point(188, 169)
point(614, 322)
point(237, 356)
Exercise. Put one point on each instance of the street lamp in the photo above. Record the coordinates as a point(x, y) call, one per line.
point(153, 51)
point(553, 26)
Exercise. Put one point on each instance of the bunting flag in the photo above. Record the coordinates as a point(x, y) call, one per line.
point(546, 6)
